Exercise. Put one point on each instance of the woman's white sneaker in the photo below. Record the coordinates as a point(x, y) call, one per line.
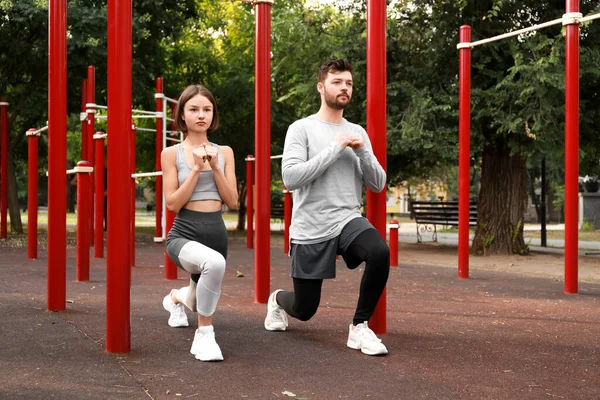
point(276, 319)
point(361, 337)
point(204, 346)
point(178, 317)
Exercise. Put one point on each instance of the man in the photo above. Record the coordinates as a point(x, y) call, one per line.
point(326, 159)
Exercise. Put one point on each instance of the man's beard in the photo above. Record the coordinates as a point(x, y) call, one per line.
point(336, 102)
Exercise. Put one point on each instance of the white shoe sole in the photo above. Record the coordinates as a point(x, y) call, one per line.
point(279, 328)
point(213, 358)
point(180, 325)
point(355, 346)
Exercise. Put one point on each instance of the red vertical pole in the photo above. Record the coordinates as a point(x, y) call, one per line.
point(376, 127)
point(464, 148)
point(571, 150)
point(118, 278)
point(250, 202)
point(287, 219)
point(159, 147)
point(91, 129)
point(84, 121)
point(84, 184)
point(170, 267)
point(57, 154)
point(3, 168)
point(99, 191)
point(262, 129)
point(394, 243)
point(32, 193)
point(132, 228)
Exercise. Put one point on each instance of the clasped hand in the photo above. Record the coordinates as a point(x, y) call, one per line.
point(205, 153)
point(353, 141)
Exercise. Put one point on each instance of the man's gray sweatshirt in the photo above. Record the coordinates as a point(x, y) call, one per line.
point(326, 179)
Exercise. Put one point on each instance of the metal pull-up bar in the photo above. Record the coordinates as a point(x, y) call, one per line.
point(571, 19)
point(567, 19)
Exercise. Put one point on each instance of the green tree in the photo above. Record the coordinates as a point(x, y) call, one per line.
point(517, 100)
point(24, 68)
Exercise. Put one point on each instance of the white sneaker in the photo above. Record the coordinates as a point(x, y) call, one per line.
point(276, 319)
point(205, 347)
point(362, 338)
point(178, 318)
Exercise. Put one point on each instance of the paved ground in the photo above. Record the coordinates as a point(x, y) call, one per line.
point(497, 335)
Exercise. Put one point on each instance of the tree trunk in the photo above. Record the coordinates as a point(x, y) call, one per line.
point(242, 210)
point(14, 211)
point(501, 202)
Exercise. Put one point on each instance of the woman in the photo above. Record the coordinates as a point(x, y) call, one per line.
point(198, 178)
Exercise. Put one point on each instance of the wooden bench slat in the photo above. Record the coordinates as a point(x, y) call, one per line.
point(439, 213)
point(277, 212)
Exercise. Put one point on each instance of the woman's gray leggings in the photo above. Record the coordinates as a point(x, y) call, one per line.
point(197, 243)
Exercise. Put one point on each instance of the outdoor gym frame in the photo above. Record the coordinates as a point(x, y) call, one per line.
point(376, 127)
point(571, 20)
point(120, 100)
point(119, 175)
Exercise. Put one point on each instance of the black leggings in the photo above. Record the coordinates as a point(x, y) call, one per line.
point(303, 302)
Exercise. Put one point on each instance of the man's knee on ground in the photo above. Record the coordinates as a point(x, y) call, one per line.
point(306, 314)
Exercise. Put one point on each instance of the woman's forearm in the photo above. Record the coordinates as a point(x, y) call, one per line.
point(227, 192)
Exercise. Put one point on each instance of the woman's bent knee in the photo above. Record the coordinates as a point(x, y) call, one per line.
point(215, 266)
point(200, 259)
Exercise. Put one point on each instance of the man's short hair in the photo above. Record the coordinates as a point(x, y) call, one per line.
point(339, 65)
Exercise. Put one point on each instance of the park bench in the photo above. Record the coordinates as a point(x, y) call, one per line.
point(429, 214)
point(277, 212)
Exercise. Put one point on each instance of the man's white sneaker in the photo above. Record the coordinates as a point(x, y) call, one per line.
point(362, 338)
point(276, 319)
point(205, 347)
point(178, 317)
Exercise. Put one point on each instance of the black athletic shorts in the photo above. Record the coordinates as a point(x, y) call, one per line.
point(317, 260)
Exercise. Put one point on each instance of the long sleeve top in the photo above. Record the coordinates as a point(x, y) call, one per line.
point(326, 180)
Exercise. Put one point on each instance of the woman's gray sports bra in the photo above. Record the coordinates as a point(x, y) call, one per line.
point(206, 187)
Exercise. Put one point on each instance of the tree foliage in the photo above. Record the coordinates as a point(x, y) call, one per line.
point(517, 94)
point(517, 91)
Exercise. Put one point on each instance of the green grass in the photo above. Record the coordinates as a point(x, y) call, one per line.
point(141, 216)
point(583, 236)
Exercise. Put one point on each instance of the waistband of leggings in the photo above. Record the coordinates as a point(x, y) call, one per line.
point(200, 216)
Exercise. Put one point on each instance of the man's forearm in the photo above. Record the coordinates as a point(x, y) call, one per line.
point(297, 172)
